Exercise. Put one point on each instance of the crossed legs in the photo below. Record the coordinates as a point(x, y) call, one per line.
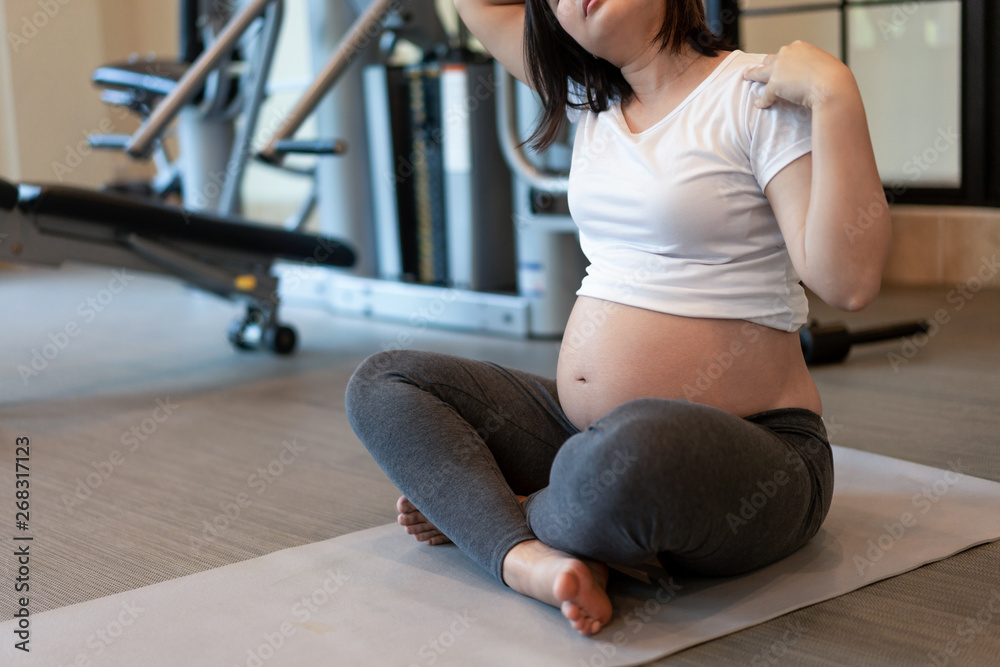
point(466, 440)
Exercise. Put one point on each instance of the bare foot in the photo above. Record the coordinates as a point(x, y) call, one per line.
point(576, 587)
point(416, 524)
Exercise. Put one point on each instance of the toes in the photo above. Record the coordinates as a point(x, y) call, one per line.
point(433, 538)
point(584, 624)
point(571, 611)
point(411, 519)
point(427, 534)
point(404, 505)
point(416, 524)
point(581, 603)
point(579, 619)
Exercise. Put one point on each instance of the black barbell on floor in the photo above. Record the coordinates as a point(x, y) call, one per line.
point(830, 343)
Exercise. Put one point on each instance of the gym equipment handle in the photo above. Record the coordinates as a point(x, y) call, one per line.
point(109, 141)
point(311, 146)
point(830, 343)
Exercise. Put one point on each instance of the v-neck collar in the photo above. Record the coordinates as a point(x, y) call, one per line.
point(616, 105)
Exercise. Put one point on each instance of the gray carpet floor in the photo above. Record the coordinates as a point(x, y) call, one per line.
point(200, 479)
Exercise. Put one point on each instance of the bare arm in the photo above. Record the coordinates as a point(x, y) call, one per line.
point(829, 204)
point(499, 25)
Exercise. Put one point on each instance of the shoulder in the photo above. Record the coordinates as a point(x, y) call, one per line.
point(729, 97)
point(730, 93)
point(779, 118)
point(730, 75)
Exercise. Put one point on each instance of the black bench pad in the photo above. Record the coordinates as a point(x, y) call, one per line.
point(8, 195)
point(157, 221)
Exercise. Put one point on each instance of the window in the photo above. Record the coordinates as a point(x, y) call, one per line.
point(929, 74)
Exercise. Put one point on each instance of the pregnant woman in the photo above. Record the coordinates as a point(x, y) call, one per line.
point(682, 423)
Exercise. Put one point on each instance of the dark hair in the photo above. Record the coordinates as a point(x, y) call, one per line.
point(552, 58)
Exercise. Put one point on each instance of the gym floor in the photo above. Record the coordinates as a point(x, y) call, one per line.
point(140, 365)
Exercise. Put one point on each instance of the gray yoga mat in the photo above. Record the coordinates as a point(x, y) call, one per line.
point(377, 597)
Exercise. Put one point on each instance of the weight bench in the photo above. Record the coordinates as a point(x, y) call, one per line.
point(229, 257)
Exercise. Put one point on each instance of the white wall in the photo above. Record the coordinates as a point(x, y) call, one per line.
point(10, 159)
point(51, 48)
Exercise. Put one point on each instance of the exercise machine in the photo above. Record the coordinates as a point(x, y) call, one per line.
point(220, 75)
point(214, 251)
point(229, 257)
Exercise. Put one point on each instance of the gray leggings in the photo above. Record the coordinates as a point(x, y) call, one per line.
point(698, 488)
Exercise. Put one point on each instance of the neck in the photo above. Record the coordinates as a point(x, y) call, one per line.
point(654, 74)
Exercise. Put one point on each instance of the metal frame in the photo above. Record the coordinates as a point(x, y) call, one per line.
point(258, 75)
point(517, 160)
point(991, 86)
point(166, 111)
point(356, 40)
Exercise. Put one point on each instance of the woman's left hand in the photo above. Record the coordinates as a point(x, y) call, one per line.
point(800, 73)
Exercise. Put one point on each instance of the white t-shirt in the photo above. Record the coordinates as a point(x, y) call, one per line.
point(674, 218)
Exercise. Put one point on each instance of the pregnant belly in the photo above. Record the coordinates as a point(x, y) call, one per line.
point(612, 353)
